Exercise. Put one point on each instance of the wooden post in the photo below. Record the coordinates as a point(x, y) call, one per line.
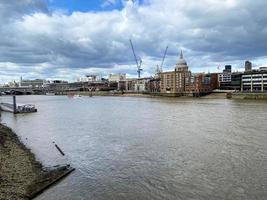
point(14, 105)
point(58, 148)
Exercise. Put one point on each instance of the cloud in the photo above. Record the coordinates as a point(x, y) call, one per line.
point(13, 9)
point(47, 43)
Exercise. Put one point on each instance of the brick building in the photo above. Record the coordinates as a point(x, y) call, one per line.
point(174, 82)
point(201, 84)
point(154, 85)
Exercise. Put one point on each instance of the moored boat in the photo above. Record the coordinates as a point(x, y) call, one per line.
point(26, 108)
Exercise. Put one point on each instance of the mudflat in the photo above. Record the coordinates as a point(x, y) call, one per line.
point(21, 175)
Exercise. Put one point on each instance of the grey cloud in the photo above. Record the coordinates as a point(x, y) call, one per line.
point(12, 9)
point(208, 31)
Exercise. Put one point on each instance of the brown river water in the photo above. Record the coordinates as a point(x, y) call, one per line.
point(149, 148)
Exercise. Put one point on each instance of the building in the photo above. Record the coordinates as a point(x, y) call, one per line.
point(200, 84)
point(174, 82)
point(116, 77)
point(13, 84)
point(224, 79)
point(236, 81)
point(214, 83)
point(135, 84)
point(154, 85)
point(117, 81)
point(229, 81)
point(36, 83)
point(57, 86)
point(197, 84)
point(248, 66)
point(142, 85)
point(254, 81)
point(90, 78)
point(129, 84)
point(227, 69)
point(167, 82)
point(263, 69)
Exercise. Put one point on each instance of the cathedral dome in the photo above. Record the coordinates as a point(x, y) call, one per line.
point(181, 62)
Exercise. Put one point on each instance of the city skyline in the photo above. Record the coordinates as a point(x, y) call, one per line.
point(59, 40)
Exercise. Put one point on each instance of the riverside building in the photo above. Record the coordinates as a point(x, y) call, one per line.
point(225, 78)
point(182, 82)
point(90, 78)
point(200, 84)
point(116, 77)
point(254, 81)
point(229, 80)
point(36, 83)
point(173, 82)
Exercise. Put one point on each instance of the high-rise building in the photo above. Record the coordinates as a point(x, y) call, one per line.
point(227, 69)
point(248, 66)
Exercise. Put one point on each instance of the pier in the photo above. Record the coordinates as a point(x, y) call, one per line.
point(14, 108)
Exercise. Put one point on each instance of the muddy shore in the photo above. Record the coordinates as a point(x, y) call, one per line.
point(22, 177)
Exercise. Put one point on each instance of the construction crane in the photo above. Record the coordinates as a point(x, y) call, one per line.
point(138, 62)
point(163, 59)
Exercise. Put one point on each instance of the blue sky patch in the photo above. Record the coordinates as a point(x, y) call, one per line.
point(85, 5)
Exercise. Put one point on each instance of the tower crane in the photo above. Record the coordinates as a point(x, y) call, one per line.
point(163, 59)
point(138, 62)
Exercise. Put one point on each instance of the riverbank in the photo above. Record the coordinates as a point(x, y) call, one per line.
point(149, 95)
point(22, 177)
point(253, 96)
point(215, 96)
point(108, 93)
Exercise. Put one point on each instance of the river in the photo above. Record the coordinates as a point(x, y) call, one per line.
point(149, 148)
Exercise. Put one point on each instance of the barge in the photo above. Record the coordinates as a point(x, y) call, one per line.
point(26, 108)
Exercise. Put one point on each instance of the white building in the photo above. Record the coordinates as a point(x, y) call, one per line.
point(254, 81)
point(116, 77)
point(140, 87)
point(90, 78)
point(224, 77)
point(36, 83)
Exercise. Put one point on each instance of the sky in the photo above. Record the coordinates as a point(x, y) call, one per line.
point(67, 39)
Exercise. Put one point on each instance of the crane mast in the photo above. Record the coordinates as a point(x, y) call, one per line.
point(163, 58)
point(138, 62)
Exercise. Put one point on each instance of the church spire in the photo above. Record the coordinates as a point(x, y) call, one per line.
point(181, 55)
point(181, 63)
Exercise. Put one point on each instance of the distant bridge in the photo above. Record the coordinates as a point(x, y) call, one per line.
point(21, 90)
